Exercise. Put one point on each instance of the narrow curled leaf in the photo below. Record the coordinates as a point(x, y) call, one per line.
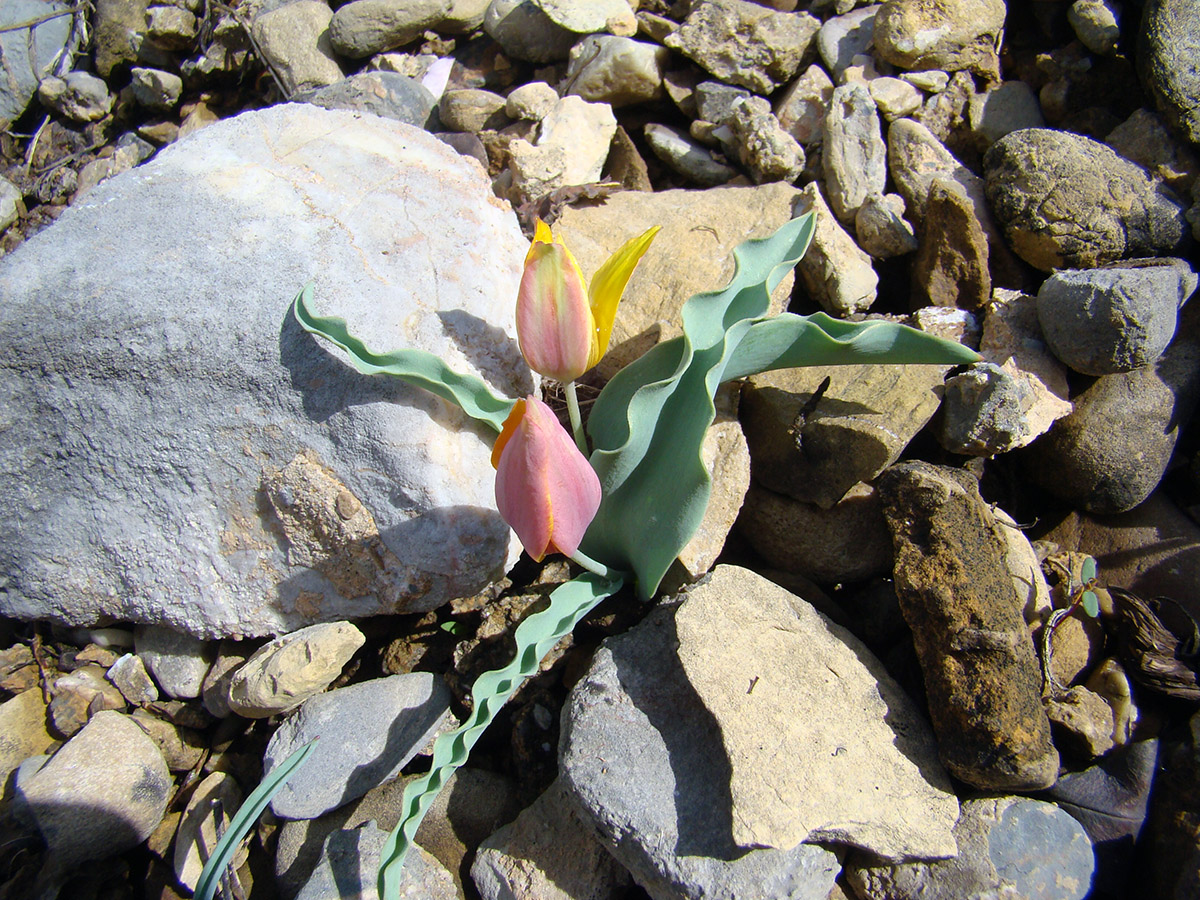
point(417, 367)
point(648, 423)
point(243, 821)
point(534, 637)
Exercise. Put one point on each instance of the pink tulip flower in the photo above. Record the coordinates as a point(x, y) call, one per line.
point(545, 488)
point(563, 323)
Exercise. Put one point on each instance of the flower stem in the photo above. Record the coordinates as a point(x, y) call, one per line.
point(576, 419)
point(598, 568)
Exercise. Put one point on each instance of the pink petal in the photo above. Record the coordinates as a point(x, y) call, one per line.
point(554, 318)
point(545, 488)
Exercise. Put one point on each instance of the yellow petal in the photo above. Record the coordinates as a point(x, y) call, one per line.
point(604, 293)
point(541, 235)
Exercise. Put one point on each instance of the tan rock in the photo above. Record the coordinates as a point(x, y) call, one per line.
point(861, 424)
point(209, 810)
point(692, 253)
point(23, 730)
point(951, 266)
point(824, 745)
point(726, 456)
point(847, 542)
point(836, 273)
point(284, 673)
point(1082, 722)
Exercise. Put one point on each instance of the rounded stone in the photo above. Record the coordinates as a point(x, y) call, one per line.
point(220, 519)
point(1067, 201)
point(1101, 321)
point(1168, 47)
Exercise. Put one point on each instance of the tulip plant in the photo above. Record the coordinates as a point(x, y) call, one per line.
point(625, 507)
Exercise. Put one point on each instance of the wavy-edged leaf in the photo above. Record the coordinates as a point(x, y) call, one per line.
point(788, 340)
point(243, 821)
point(649, 421)
point(534, 637)
point(417, 367)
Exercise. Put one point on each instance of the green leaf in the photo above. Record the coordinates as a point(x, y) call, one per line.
point(534, 637)
point(648, 423)
point(1091, 604)
point(1087, 570)
point(417, 367)
point(243, 821)
point(788, 340)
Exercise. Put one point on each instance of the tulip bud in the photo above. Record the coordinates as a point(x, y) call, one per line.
point(545, 489)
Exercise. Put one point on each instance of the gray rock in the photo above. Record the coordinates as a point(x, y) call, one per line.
point(842, 38)
point(78, 95)
point(641, 759)
point(1143, 138)
point(1066, 201)
point(370, 187)
point(1168, 41)
point(850, 758)
point(28, 54)
point(214, 692)
point(881, 228)
point(836, 273)
point(385, 94)
point(177, 661)
point(368, 731)
point(1006, 107)
point(686, 157)
point(864, 420)
point(1012, 340)
point(524, 31)
point(916, 158)
point(472, 805)
point(985, 411)
point(130, 677)
point(472, 110)
point(285, 672)
point(365, 27)
point(155, 89)
point(591, 16)
point(853, 154)
point(746, 44)
point(1097, 24)
point(949, 36)
point(112, 770)
point(464, 16)
point(717, 102)
point(1112, 451)
point(849, 542)
point(769, 152)
point(616, 70)
point(349, 868)
point(547, 853)
point(1109, 799)
point(294, 38)
point(1003, 845)
point(981, 672)
point(802, 106)
point(1116, 318)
